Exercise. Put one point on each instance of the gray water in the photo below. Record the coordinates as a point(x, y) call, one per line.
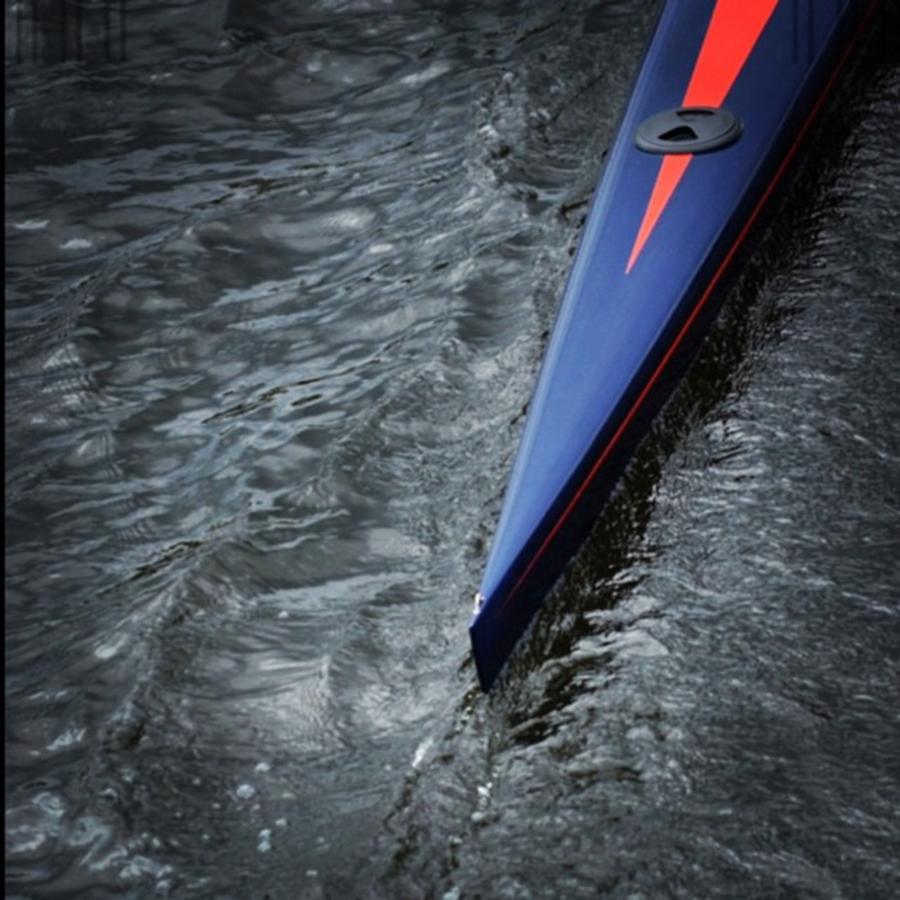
point(278, 281)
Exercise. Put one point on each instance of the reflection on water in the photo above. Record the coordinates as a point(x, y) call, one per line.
point(277, 288)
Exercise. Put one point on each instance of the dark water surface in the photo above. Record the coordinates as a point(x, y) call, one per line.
point(277, 287)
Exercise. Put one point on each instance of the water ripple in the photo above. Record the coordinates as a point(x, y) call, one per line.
point(277, 288)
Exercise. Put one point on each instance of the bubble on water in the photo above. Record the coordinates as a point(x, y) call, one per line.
point(245, 791)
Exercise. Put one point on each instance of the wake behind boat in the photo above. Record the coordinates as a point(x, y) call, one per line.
point(724, 96)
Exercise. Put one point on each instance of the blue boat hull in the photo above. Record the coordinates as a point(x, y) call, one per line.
point(663, 233)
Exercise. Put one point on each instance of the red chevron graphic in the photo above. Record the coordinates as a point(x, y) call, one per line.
point(733, 31)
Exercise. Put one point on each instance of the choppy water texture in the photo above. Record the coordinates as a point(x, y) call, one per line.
point(277, 287)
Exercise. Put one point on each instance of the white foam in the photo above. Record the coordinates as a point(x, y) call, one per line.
point(76, 244)
point(421, 752)
point(67, 739)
